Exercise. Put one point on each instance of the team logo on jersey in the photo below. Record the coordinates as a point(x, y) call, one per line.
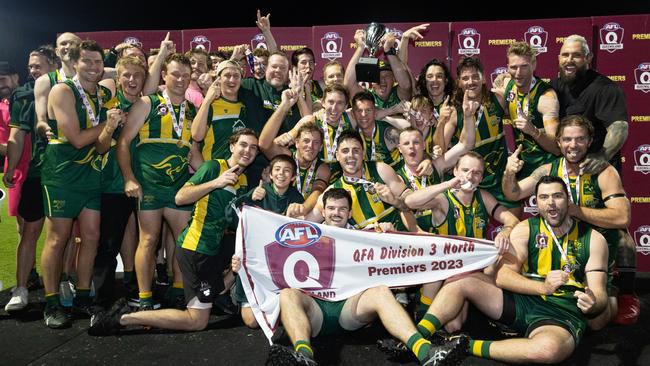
point(541, 241)
point(134, 41)
point(238, 125)
point(300, 257)
point(642, 159)
point(536, 37)
point(468, 42)
point(642, 77)
point(162, 110)
point(2, 194)
point(258, 41)
point(201, 42)
point(331, 44)
point(456, 213)
point(498, 71)
point(611, 37)
point(642, 239)
point(530, 205)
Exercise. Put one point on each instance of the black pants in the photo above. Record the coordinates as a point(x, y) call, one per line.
point(115, 213)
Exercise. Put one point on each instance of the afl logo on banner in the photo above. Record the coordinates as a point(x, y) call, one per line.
point(297, 234)
point(134, 41)
point(642, 77)
point(642, 239)
point(200, 42)
point(536, 37)
point(468, 42)
point(300, 257)
point(331, 44)
point(611, 37)
point(258, 41)
point(642, 159)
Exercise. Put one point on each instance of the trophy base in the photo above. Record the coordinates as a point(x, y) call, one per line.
point(367, 69)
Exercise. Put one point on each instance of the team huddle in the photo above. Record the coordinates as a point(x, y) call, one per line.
point(122, 153)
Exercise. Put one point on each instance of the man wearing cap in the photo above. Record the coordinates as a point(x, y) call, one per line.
point(221, 114)
point(391, 71)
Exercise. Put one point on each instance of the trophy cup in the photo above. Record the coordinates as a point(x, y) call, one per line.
point(368, 67)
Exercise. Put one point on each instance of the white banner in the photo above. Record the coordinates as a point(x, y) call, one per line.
point(332, 263)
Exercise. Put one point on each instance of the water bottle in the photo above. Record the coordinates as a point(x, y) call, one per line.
point(65, 294)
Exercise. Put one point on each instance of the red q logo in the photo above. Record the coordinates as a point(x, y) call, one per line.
point(201, 42)
point(468, 42)
point(642, 77)
point(611, 37)
point(258, 41)
point(536, 36)
point(530, 206)
point(331, 44)
point(642, 159)
point(300, 257)
point(642, 239)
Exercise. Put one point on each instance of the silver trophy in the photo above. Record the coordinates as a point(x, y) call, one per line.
point(368, 67)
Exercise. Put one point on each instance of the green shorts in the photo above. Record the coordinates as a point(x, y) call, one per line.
point(532, 312)
point(155, 198)
point(331, 314)
point(61, 202)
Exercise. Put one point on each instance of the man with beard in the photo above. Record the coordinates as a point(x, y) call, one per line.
point(305, 317)
point(394, 79)
point(71, 175)
point(490, 138)
point(547, 285)
point(161, 123)
point(211, 189)
point(598, 199)
point(533, 109)
point(583, 91)
point(23, 142)
point(312, 175)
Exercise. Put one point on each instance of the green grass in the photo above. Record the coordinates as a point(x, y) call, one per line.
point(8, 244)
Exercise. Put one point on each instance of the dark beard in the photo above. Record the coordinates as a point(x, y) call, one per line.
point(579, 75)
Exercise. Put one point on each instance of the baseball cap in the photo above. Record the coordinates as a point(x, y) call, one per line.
point(228, 63)
point(384, 66)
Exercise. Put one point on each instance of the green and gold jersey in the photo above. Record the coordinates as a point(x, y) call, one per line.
point(375, 148)
point(544, 255)
point(367, 207)
point(23, 116)
point(470, 221)
point(306, 177)
point(205, 229)
point(316, 91)
point(56, 77)
point(532, 153)
point(413, 182)
point(112, 181)
point(590, 195)
point(330, 135)
point(66, 166)
point(225, 117)
point(161, 153)
point(393, 98)
point(490, 142)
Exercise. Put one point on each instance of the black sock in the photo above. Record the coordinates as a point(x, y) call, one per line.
point(626, 277)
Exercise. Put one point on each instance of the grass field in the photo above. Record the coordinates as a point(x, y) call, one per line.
point(8, 244)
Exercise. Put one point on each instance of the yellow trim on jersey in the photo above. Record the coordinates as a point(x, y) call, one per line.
point(163, 141)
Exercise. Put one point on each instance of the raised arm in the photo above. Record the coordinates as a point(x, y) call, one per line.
point(272, 126)
point(200, 122)
point(410, 34)
point(518, 190)
point(402, 76)
point(153, 79)
point(264, 24)
point(350, 77)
